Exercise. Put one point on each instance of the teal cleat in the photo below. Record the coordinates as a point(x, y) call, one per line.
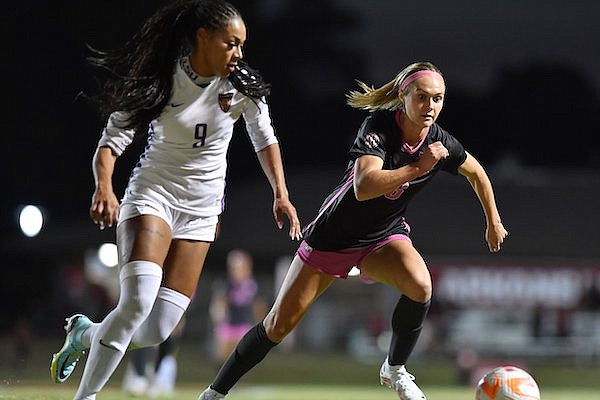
point(63, 362)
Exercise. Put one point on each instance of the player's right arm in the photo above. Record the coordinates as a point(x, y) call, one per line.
point(104, 210)
point(371, 180)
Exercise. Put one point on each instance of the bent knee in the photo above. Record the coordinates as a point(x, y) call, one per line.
point(277, 327)
point(134, 309)
point(422, 294)
point(419, 290)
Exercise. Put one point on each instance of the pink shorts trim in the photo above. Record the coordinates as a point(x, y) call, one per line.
point(339, 263)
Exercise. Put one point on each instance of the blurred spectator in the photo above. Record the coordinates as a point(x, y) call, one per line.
point(235, 305)
point(590, 301)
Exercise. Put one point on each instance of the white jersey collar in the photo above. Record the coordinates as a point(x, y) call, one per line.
point(202, 81)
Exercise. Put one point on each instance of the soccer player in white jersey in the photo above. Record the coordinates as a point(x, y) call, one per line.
point(398, 150)
point(181, 81)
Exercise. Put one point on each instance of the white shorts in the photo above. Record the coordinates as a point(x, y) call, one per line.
point(183, 225)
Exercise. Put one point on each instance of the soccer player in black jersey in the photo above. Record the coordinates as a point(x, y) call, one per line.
point(398, 150)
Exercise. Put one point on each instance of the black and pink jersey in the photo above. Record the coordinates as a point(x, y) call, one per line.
point(344, 222)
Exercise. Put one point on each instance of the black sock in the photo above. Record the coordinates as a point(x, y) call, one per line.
point(253, 347)
point(407, 322)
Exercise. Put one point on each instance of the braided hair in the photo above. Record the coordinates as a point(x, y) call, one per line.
point(139, 74)
point(248, 81)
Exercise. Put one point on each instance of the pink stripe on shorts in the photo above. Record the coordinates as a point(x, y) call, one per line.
point(339, 263)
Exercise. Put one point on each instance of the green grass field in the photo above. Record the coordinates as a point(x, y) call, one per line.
point(296, 376)
point(280, 392)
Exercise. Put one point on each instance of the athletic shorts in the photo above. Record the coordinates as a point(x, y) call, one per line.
point(183, 225)
point(339, 263)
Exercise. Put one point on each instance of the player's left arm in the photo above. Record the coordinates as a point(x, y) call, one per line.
point(480, 182)
point(272, 165)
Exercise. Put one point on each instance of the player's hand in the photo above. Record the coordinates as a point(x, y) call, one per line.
point(494, 235)
point(104, 210)
point(282, 206)
point(431, 155)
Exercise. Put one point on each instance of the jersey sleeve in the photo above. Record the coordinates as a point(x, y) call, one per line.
point(114, 136)
point(457, 156)
point(370, 139)
point(258, 124)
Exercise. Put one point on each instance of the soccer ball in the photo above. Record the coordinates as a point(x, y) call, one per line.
point(507, 383)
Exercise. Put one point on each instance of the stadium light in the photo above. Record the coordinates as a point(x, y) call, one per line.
point(31, 220)
point(107, 254)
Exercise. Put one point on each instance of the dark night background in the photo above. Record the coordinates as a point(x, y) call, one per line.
point(523, 96)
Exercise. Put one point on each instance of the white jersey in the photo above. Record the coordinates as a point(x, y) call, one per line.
point(185, 160)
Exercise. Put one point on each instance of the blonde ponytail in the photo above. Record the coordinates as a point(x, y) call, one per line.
point(385, 97)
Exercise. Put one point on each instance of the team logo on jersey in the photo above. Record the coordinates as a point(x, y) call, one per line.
point(393, 195)
point(225, 101)
point(372, 140)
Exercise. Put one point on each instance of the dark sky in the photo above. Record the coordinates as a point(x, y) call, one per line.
point(473, 41)
point(522, 76)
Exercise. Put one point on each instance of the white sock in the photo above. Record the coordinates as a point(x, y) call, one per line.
point(164, 317)
point(140, 281)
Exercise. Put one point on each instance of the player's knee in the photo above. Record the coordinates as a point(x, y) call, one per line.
point(419, 290)
point(140, 280)
point(277, 328)
point(424, 292)
point(135, 309)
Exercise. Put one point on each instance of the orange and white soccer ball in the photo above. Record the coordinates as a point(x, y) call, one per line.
point(507, 383)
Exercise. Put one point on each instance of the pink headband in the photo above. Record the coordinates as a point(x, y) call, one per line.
point(416, 75)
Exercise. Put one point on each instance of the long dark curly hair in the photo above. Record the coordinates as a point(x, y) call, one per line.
point(139, 74)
